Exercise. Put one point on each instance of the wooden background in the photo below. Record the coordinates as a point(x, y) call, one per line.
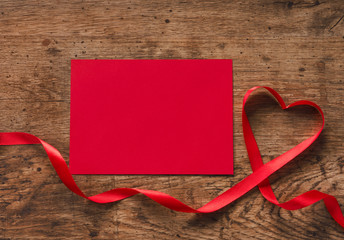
point(296, 47)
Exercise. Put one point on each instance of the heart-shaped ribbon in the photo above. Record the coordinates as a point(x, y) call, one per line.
point(259, 177)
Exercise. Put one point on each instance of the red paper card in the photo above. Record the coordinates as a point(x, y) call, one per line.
point(151, 117)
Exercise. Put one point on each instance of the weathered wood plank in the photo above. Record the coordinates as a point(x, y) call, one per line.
point(296, 47)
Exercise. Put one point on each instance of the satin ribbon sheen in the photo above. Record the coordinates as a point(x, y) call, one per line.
point(259, 177)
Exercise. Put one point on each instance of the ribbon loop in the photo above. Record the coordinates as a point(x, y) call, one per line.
point(259, 177)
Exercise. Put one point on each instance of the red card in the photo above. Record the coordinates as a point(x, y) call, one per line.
point(151, 117)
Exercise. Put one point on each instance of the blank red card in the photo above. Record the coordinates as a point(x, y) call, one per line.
point(151, 117)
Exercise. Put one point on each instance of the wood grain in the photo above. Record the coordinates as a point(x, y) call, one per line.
point(296, 47)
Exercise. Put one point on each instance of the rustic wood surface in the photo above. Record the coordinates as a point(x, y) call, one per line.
point(296, 47)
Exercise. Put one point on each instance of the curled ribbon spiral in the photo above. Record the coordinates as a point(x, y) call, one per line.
point(259, 177)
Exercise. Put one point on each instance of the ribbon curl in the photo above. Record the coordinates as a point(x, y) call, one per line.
point(259, 177)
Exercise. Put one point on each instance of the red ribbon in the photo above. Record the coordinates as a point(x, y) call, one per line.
point(259, 177)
